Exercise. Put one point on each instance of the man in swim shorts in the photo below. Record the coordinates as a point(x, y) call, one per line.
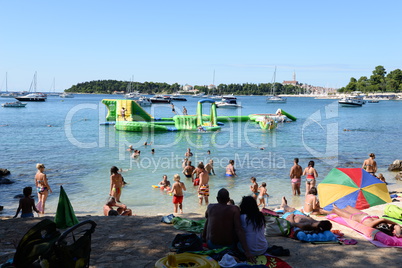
point(203, 188)
point(189, 170)
point(298, 219)
point(210, 167)
point(223, 226)
point(295, 176)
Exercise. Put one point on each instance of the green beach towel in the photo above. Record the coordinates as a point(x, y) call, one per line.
point(65, 216)
point(188, 225)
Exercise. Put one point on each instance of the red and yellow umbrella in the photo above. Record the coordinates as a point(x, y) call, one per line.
point(354, 187)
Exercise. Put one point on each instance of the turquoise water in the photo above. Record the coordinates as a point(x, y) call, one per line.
point(65, 135)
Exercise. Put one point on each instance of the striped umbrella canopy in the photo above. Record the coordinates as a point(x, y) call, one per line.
point(352, 186)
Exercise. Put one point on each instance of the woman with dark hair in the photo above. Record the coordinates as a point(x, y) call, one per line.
point(312, 205)
point(116, 183)
point(253, 223)
point(383, 225)
point(311, 176)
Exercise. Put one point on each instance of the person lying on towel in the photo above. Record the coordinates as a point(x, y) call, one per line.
point(383, 225)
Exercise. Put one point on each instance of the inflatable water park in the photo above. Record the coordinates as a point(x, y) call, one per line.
point(136, 119)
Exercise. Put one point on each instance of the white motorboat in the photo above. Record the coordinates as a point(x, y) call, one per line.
point(160, 99)
point(178, 97)
point(144, 101)
point(16, 104)
point(199, 95)
point(66, 95)
point(228, 102)
point(352, 101)
point(132, 94)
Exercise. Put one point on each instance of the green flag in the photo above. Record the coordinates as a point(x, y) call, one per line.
point(65, 216)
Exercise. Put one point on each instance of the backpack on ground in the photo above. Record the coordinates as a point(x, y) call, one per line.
point(275, 226)
point(186, 242)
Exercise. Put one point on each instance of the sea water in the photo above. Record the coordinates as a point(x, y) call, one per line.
point(78, 152)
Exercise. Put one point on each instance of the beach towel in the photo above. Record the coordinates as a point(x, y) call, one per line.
point(393, 211)
point(191, 226)
point(373, 235)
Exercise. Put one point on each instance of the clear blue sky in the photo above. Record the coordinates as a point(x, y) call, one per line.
point(324, 42)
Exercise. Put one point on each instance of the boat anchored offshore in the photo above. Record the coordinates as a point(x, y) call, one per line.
point(144, 101)
point(33, 96)
point(274, 98)
point(228, 101)
point(16, 104)
point(66, 95)
point(354, 100)
point(160, 99)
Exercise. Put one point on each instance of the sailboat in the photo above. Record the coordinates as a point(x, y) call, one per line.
point(33, 96)
point(130, 94)
point(7, 94)
point(213, 96)
point(53, 89)
point(273, 98)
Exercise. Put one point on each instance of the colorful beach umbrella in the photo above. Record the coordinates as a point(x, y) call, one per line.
point(352, 186)
point(65, 215)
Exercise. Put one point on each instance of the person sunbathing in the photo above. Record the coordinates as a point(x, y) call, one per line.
point(298, 219)
point(383, 225)
point(312, 205)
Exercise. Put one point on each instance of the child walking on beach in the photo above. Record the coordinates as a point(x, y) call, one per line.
point(177, 190)
point(263, 193)
point(27, 204)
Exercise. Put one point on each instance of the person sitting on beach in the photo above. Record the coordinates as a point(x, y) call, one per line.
point(263, 193)
point(116, 183)
point(230, 170)
point(223, 226)
point(188, 153)
point(296, 173)
point(300, 220)
point(311, 176)
point(177, 191)
point(254, 188)
point(164, 184)
point(312, 205)
point(210, 167)
point(383, 225)
point(203, 188)
point(122, 209)
point(253, 223)
point(189, 170)
point(370, 165)
point(27, 204)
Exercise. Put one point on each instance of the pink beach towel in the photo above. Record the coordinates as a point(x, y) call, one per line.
point(376, 237)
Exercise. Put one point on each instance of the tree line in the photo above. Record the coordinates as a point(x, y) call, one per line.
point(110, 86)
point(379, 81)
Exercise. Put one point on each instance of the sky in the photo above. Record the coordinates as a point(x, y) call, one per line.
point(324, 43)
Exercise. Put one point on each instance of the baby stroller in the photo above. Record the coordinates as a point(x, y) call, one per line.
point(43, 246)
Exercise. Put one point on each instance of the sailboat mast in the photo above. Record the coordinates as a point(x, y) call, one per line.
point(6, 83)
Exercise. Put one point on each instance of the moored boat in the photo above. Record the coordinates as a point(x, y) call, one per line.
point(16, 104)
point(354, 100)
point(144, 101)
point(160, 99)
point(32, 97)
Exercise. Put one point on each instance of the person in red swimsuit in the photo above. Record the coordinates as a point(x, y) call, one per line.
point(311, 176)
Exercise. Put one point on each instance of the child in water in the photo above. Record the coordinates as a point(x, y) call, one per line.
point(263, 192)
point(27, 204)
point(177, 190)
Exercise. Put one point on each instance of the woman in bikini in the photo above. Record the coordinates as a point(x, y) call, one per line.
point(230, 170)
point(370, 165)
point(311, 174)
point(116, 183)
point(383, 225)
point(42, 187)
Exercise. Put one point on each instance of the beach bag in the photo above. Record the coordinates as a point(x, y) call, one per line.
point(393, 211)
point(167, 219)
point(186, 242)
point(275, 226)
point(196, 182)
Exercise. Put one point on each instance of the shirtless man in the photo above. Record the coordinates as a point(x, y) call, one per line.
point(188, 153)
point(230, 170)
point(203, 187)
point(210, 167)
point(177, 190)
point(122, 209)
point(298, 219)
point(295, 176)
point(116, 183)
point(254, 188)
point(312, 205)
point(189, 170)
point(164, 184)
point(223, 227)
point(370, 165)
